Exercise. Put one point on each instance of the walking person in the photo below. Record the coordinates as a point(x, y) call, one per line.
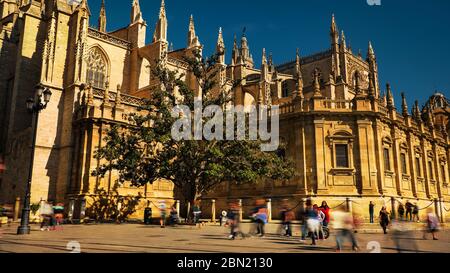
point(384, 219)
point(312, 222)
point(173, 215)
point(234, 222)
point(326, 210)
point(287, 216)
point(320, 218)
point(432, 224)
point(223, 218)
point(401, 211)
point(344, 225)
point(163, 213)
point(371, 211)
point(260, 216)
point(47, 214)
point(197, 214)
point(409, 208)
point(415, 213)
point(304, 215)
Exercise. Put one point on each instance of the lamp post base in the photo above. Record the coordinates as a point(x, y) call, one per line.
point(23, 230)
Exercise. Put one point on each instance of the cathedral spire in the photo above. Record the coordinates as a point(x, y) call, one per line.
point(343, 45)
point(271, 67)
point(417, 114)
point(235, 52)
point(297, 62)
point(102, 18)
point(335, 62)
point(371, 92)
point(370, 52)
point(264, 58)
point(245, 56)
point(390, 97)
point(405, 112)
point(264, 67)
point(334, 33)
point(298, 75)
point(136, 14)
point(161, 27)
point(192, 37)
point(220, 47)
point(316, 76)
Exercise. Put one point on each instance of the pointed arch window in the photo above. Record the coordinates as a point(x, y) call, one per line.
point(97, 68)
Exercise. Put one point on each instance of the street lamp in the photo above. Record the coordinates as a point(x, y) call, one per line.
point(34, 106)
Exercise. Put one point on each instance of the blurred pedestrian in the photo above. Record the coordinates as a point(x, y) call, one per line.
point(163, 213)
point(384, 219)
point(401, 236)
point(401, 211)
point(58, 211)
point(320, 218)
point(409, 208)
point(173, 215)
point(47, 214)
point(287, 216)
point(223, 218)
point(371, 211)
point(197, 214)
point(344, 226)
point(260, 215)
point(326, 210)
point(415, 213)
point(312, 224)
point(234, 222)
point(432, 224)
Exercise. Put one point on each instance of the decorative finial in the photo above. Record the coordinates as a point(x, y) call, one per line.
point(405, 112)
point(316, 75)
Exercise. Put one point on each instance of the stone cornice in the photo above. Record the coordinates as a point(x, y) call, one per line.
point(93, 33)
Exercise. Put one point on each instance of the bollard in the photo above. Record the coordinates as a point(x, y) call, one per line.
point(240, 209)
point(349, 205)
point(213, 211)
point(269, 210)
point(177, 205)
point(16, 209)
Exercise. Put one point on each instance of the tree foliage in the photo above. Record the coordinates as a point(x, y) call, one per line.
point(146, 152)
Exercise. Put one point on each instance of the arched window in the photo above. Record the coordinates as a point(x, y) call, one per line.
point(97, 68)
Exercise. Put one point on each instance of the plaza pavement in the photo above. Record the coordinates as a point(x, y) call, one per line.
point(138, 238)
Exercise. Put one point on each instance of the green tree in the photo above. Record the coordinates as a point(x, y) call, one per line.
point(146, 152)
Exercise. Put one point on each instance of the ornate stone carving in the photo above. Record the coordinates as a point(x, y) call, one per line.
point(108, 38)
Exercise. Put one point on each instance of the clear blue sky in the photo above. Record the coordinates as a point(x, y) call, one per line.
point(411, 38)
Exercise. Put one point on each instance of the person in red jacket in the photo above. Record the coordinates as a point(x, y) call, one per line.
point(326, 210)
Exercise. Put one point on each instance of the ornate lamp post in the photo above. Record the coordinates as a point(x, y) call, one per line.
point(34, 106)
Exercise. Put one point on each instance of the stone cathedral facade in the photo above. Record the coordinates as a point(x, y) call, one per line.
point(348, 139)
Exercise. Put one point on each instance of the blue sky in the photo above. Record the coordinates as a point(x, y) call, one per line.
point(411, 38)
